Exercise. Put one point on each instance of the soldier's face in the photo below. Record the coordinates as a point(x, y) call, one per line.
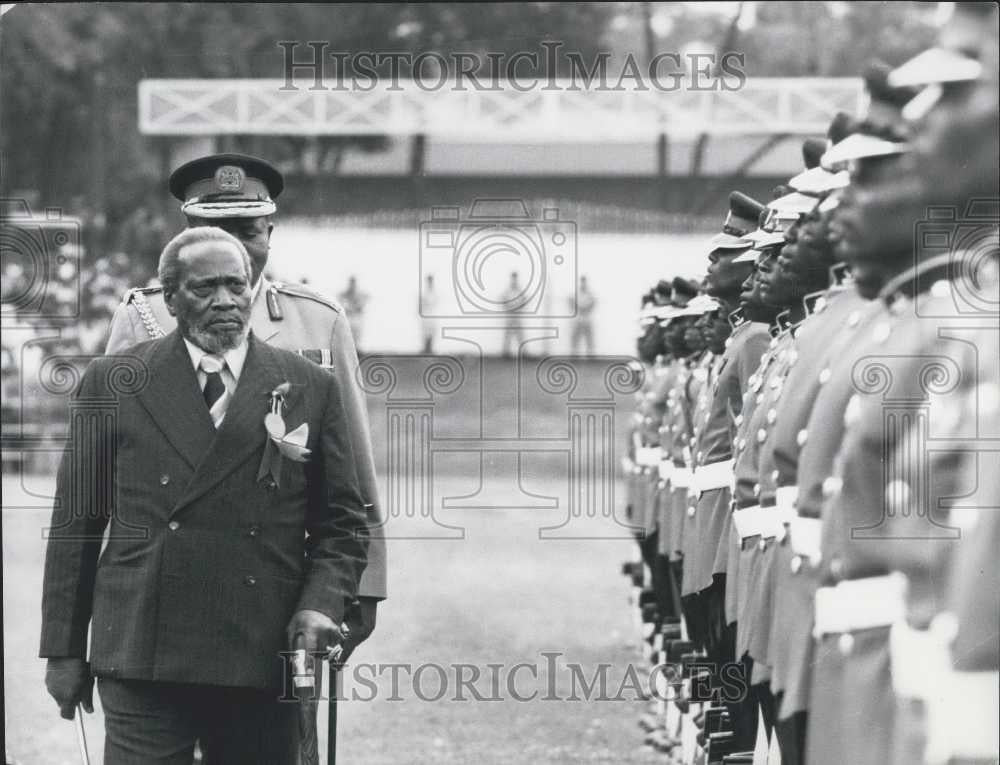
point(956, 145)
point(875, 220)
point(775, 287)
point(717, 329)
point(805, 261)
point(725, 277)
point(694, 335)
point(212, 301)
point(254, 233)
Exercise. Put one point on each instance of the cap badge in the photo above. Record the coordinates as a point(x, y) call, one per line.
point(229, 178)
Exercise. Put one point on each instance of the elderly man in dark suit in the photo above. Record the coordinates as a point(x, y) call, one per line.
point(222, 471)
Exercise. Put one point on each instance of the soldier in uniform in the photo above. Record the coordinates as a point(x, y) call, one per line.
point(856, 604)
point(738, 348)
point(236, 192)
point(871, 532)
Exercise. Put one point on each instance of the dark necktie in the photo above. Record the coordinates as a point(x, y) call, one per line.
point(214, 386)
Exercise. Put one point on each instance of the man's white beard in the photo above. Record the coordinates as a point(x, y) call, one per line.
point(214, 342)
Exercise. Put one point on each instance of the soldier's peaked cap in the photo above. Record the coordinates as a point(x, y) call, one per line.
point(227, 186)
point(812, 150)
point(684, 289)
point(742, 218)
point(881, 88)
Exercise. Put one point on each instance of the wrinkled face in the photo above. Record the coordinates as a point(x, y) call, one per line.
point(254, 233)
point(725, 278)
point(212, 301)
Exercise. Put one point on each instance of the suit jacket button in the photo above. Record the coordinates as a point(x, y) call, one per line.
point(270, 484)
point(173, 525)
point(254, 530)
point(250, 581)
point(164, 479)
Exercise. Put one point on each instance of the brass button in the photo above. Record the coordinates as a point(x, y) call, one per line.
point(774, 475)
point(756, 489)
point(853, 319)
point(250, 581)
point(796, 564)
point(173, 525)
point(831, 485)
point(270, 484)
point(164, 479)
point(824, 376)
point(762, 545)
point(845, 643)
point(254, 530)
point(761, 435)
point(800, 439)
point(772, 415)
point(691, 512)
point(837, 568)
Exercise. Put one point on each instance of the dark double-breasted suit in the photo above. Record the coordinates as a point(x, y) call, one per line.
point(205, 560)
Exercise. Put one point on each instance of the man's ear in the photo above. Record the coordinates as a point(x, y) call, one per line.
point(168, 300)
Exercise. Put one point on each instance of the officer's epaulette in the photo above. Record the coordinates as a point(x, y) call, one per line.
point(815, 302)
point(132, 294)
point(297, 290)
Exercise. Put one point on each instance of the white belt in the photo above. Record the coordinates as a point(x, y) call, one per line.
point(754, 521)
point(718, 475)
point(806, 535)
point(920, 661)
point(681, 478)
point(648, 456)
point(784, 500)
point(860, 604)
point(666, 469)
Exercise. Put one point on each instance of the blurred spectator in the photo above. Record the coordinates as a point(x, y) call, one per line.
point(429, 304)
point(512, 329)
point(583, 328)
point(354, 301)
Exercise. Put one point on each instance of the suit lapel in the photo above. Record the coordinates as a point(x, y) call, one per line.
point(242, 431)
point(260, 318)
point(174, 401)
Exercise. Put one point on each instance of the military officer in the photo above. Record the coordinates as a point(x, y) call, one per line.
point(237, 193)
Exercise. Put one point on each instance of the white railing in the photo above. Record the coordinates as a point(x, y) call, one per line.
point(764, 106)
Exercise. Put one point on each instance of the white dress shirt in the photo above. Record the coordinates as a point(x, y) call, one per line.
point(233, 366)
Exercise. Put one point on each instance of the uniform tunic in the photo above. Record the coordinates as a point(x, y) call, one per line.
point(715, 422)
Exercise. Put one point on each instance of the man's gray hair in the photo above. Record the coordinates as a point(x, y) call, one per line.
point(169, 268)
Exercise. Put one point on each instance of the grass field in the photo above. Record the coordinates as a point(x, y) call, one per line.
point(501, 596)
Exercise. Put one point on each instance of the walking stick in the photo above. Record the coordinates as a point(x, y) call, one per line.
point(331, 716)
point(81, 736)
point(308, 740)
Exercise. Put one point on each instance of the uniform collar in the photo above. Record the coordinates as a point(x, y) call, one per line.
point(234, 357)
point(737, 318)
point(918, 279)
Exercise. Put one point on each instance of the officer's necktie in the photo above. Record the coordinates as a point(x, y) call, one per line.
point(215, 388)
